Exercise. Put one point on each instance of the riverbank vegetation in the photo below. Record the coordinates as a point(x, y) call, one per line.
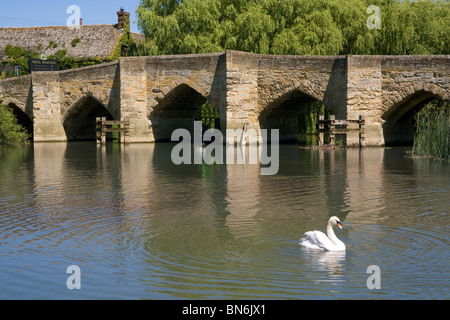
point(432, 137)
point(11, 133)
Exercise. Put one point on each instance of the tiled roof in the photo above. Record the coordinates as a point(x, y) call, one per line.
point(95, 40)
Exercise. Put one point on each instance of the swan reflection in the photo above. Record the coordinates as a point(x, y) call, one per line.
point(331, 262)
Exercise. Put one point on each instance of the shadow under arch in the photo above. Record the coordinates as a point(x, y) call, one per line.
point(22, 118)
point(283, 113)
point(175, 111)
point(399, 125)
point(80, 119)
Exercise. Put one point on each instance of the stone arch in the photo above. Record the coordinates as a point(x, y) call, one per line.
point(287, 93)
point(79, 119)
point(282, 113)
point(398, 103)
point(23, 118)
point(399, 118)
point(16, 104)
point(159, 94)
point(18, 93)
point(175, 109)
point(278, 95)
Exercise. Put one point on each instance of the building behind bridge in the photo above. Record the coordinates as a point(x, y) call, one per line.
point(84, 44)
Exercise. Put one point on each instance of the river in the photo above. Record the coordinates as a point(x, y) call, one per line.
point(140, 227)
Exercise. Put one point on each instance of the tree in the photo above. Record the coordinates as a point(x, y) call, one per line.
point(320, 27)
point(255, 30)
point(432, 27)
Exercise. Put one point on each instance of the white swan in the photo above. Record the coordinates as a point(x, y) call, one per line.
point(318, 240)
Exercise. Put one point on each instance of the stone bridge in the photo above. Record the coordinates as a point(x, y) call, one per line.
point(159, 94)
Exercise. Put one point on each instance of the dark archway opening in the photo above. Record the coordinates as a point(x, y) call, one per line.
point(400, 122)
point(80, 120)
point(22, 119)
point(295, 114)
point(178, 110)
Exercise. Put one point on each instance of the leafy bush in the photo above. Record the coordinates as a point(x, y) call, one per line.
point(11, 133)
point(75, 42)
point(15, 52)
point(208, 115)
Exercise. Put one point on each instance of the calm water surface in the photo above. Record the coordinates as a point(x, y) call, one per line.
point(140, 227)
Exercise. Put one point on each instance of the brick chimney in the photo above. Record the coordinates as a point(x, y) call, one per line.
point(121, 15)
point(81, 21)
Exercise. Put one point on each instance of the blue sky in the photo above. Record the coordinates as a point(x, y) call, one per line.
point(40, 13)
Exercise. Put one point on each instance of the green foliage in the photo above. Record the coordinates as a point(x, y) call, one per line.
point(320, 27)
point(309, 117)
point(307, 123)
point(75, 42)
point(433, 131)
point(126, 40)
point(52, 44)
point(11, 133)
point(16, 56)
point(15, 52)
point(61, 54)
point(256, 27)
point(208, 115)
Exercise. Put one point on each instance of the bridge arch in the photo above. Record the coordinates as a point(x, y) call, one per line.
point(176, 108)
point(23, 118)
point(283, 113)
point(278, 95)
point(399, 118)
point(79, 119)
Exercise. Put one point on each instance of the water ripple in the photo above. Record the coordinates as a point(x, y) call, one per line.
point(140, 227)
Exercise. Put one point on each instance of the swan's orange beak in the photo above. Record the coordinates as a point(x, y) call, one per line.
point(339, 225)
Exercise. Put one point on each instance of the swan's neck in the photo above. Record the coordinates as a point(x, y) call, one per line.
point(331, 234)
